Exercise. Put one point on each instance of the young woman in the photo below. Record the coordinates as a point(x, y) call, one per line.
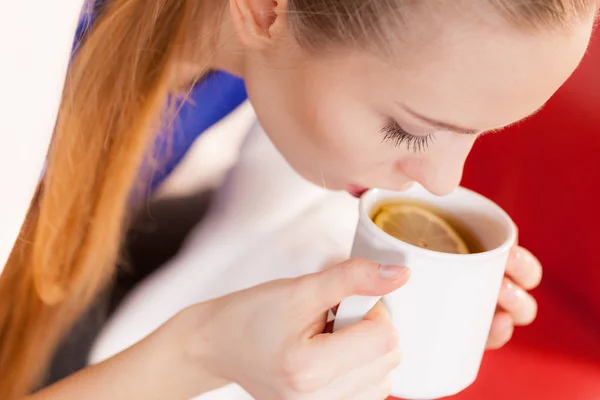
point(353, 93)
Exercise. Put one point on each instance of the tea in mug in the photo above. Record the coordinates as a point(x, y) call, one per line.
point(423, 226)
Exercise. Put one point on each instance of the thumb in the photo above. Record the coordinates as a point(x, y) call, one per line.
point(352, 277)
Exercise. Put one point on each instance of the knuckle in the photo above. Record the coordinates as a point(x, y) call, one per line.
point(493, 345)
point(499, 342)
point(387, 336)
point(347, 270)
point(530, 315)
point(395, 358)
point(381, 391)
point(536, 279)
point(354, 267)
point(505, 339)
point(532, 269)
point(381, 337)
point(386, 388)
point(298, 373)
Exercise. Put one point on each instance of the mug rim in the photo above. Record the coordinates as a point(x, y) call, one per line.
point(367, 222)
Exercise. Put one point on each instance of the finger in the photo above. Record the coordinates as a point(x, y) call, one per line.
point(379, 391)
point(524, 268)
point(329, 356)
point(368, 378)
point(328, 288)
point(379, 313)
point(501, 331)
point(521, 306)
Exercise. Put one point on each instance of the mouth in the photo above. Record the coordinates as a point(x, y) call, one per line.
point(356, 190)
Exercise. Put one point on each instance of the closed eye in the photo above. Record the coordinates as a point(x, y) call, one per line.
point(397, 136)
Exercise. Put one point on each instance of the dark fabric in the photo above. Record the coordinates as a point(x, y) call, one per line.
point(155, 236)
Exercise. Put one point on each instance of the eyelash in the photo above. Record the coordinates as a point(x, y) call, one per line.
point(394, 134)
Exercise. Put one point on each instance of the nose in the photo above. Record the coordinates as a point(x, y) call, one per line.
point(443, 181)
point(440, 171)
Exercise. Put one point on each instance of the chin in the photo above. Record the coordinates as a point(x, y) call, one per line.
point(330, 184)
point(321, 180)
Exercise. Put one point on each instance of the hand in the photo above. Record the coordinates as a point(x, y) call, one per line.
point(516, 307)
point(269, 338)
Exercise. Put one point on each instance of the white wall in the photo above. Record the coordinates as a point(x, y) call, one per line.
point(35, 45)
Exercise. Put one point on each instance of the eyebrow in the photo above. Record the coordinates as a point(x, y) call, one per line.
point(446, 126)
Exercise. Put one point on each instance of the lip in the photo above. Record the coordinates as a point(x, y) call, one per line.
point(356, 190)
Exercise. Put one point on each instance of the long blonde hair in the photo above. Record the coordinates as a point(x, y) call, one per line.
point(119, 82)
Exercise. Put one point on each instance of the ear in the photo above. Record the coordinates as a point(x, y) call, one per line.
point(256, 20)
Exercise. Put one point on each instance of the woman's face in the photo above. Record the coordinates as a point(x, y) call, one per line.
point(352, 118)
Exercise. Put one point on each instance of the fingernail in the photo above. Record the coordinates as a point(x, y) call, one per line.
point(391, 271)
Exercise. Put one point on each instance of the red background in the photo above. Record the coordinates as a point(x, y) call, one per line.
point(546, 173)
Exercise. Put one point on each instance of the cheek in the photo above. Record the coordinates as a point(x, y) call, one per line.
point(320, 125)
point(440, 168)
point(346, 131)
point(301, 119)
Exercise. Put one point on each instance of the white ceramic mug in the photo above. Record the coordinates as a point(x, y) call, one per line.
point(444, 313)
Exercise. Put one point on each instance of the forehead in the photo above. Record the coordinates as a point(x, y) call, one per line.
point(474, 73)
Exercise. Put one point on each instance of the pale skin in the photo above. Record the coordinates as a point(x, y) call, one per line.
point(325, 114)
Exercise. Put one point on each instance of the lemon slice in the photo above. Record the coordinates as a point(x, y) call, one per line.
point(420, 227)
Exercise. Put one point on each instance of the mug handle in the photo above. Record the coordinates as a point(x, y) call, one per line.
point(353, 310)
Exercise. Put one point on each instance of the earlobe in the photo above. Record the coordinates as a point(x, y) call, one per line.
point(253, 19)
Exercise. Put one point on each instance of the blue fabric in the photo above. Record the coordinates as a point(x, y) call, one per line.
point(211, 100)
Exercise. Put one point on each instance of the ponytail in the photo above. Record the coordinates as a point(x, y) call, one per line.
point(116, 88)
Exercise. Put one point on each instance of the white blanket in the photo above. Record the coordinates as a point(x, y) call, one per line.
point(267, 223)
